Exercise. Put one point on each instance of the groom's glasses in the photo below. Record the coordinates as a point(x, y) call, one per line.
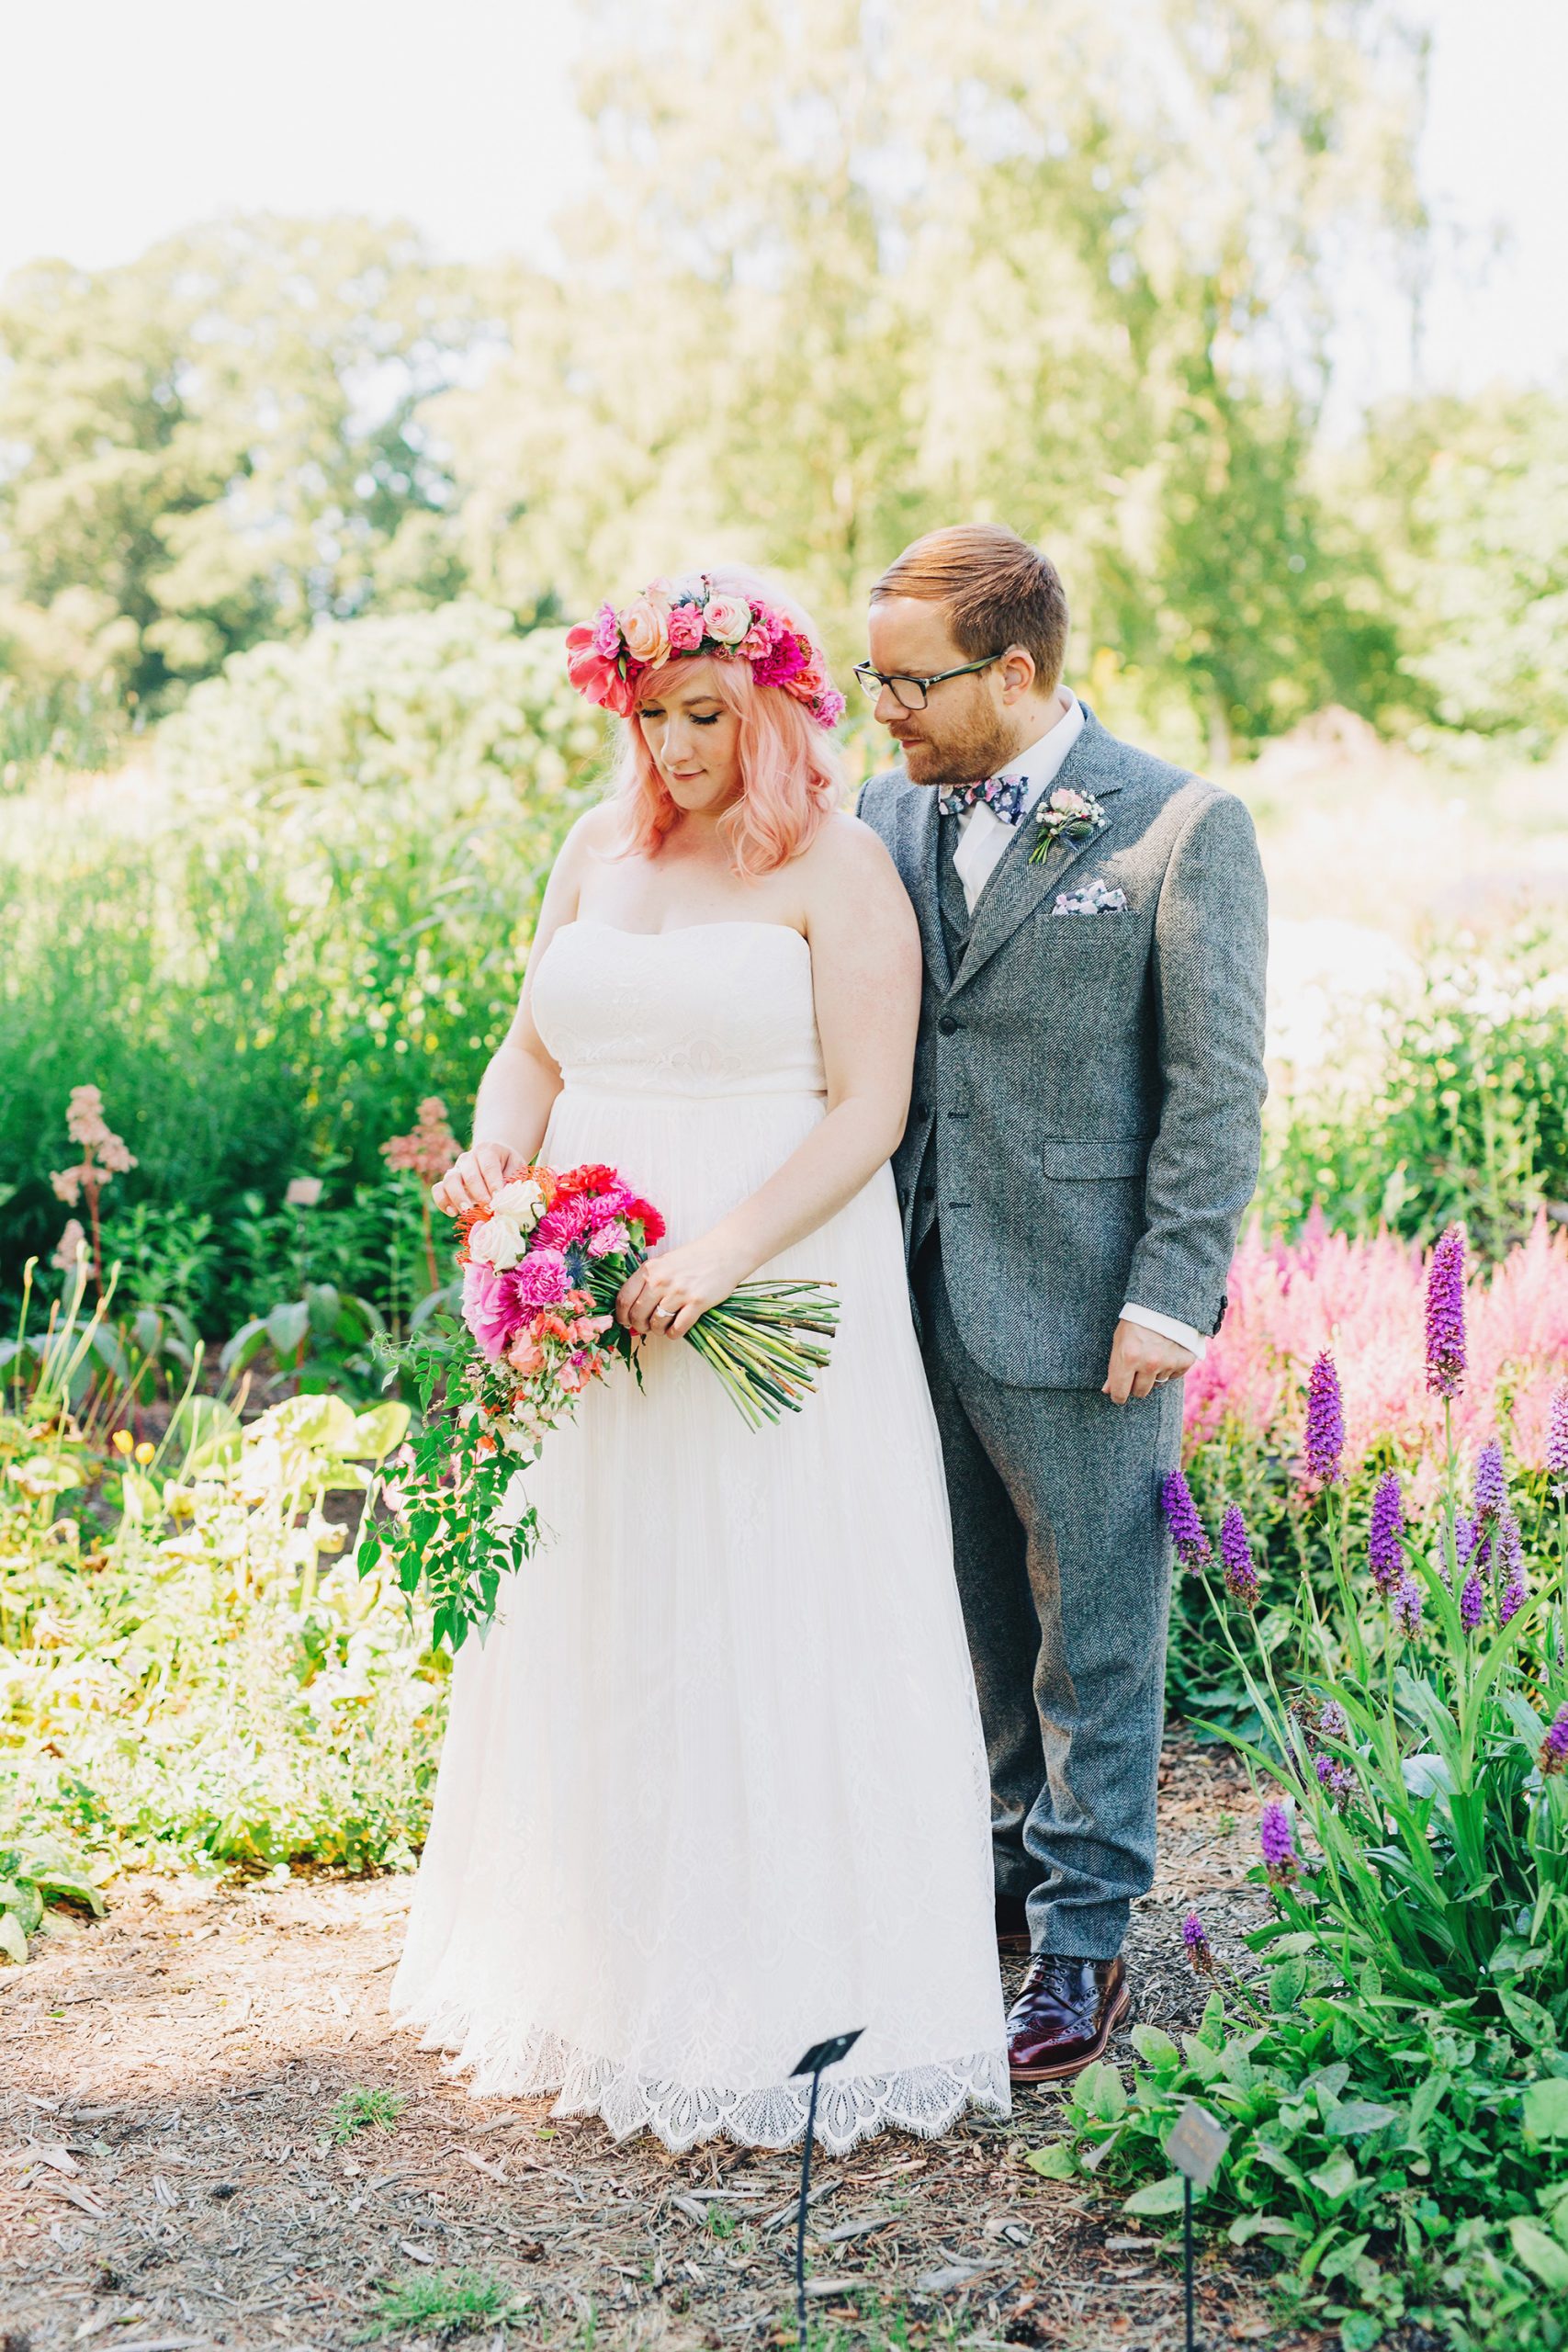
point(911, 692)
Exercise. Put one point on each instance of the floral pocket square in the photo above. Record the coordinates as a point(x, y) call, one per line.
point(1095, 898)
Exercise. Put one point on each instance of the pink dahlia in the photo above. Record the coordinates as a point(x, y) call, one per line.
point(490, 1307)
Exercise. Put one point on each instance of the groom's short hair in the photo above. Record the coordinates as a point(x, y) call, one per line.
point(996, 589)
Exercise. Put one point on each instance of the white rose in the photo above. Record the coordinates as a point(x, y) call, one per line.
point(521, 1201)
point(497, 1242)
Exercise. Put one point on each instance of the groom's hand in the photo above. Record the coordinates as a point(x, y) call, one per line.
point(1142, 1360)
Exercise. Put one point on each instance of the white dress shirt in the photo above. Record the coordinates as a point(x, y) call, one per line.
point(982, 840)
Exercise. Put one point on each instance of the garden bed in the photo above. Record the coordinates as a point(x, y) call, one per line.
point(184, 2056)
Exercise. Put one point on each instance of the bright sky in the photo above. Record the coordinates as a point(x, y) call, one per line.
point(123, 124)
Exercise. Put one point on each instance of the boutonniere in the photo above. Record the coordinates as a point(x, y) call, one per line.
point(1065, 815)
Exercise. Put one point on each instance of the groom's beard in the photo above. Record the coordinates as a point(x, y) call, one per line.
point(963, 756)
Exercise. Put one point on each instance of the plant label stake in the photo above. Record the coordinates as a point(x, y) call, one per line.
point(821, 2055)
point(1195, 2147)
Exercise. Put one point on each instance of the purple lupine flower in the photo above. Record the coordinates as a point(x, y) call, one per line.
point(1278, 1841)
point(1199, 1956)
point(1181, 1517)
point(1510, 1567)
point(1445, 1315)
point(1471, 1602)
point(1384, 1554)
point(1491, 1487)
point(1235, 1552)
point(1409, 1603)
point(1557, 1436)
point(1332, 1721)
point(1325, 1424)
point(1553, 1756)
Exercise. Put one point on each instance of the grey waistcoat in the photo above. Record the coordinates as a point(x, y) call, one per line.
point(1086, 1115)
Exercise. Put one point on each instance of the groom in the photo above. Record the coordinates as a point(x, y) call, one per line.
point(1083, 1141)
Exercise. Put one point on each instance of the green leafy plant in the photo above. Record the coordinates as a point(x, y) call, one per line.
point(33, 1874)
point(442, 2303)
point(359, 2110)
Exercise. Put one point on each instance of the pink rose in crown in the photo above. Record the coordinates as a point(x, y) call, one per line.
point(685, 629)
point(726, 618)
point(645, 624)
point(759, 639)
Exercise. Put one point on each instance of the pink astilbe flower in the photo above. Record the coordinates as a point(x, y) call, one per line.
point(70, 1245)
point(429, 1147)
point(103, 1157)
point(427, 1151)
point(1364, 1297)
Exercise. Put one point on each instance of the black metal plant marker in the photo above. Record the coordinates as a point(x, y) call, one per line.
point(1195, 2147)
point(821, 2055)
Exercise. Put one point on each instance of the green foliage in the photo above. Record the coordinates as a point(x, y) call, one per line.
point(1381, 2148)
point(442, 2303)
point(33, 1874)
point(1466, 1118)
point(183, 1677)
point(219, 443)
point(376, 2110)
point(273, 973)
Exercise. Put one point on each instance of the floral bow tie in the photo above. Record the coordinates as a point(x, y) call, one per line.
point(1002, 794)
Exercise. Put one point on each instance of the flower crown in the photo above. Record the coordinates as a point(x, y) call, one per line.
point(607, 660)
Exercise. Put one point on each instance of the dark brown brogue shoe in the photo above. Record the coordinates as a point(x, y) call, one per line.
point(1065, 2015)
point(1012, 1923)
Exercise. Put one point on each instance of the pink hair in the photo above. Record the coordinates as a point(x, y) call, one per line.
point(791, 777)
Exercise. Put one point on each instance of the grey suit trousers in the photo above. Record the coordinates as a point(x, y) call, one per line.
point(1064, 1568)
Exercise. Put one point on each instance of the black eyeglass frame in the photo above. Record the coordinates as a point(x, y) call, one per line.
point(871, 682)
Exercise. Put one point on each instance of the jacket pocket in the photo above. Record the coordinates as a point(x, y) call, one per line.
point(1079, 1159)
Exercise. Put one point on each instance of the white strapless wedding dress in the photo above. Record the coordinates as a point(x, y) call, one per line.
point(714, 1786)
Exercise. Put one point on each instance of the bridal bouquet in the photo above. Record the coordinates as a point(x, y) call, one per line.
point(542, 1267)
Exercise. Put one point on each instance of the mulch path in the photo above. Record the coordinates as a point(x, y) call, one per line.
point(165, 2180)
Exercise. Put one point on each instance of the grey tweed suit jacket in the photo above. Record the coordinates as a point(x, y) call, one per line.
point(1086, 1117)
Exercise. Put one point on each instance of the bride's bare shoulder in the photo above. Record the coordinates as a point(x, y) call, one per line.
point(846, 854)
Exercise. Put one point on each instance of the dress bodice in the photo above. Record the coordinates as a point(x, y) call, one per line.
point(711, 1008)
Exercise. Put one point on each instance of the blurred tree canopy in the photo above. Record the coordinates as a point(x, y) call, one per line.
point(844, 276)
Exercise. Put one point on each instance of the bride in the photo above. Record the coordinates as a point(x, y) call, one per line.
point(714, 1787)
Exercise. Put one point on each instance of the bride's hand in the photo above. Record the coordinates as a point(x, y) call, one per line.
point(667, 1294)
point(470, 1179)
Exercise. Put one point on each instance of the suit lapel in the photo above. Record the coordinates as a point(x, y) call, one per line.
point(1016, 888)
point(919, 836)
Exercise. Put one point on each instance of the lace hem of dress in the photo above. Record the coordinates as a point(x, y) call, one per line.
point(507, 2063)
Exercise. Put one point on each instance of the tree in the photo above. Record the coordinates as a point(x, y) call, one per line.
point(219, 441)
point(850, 273)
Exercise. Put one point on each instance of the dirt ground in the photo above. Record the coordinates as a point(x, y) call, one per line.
point(167, 2183)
